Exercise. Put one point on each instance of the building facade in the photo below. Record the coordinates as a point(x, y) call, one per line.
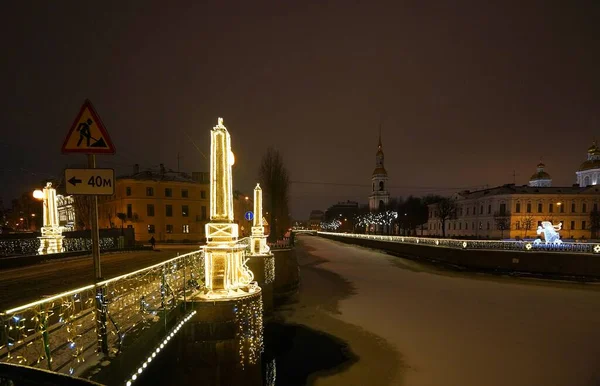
point(164, 204)
point(515, 212)
point(315, 219)
point(380, 196)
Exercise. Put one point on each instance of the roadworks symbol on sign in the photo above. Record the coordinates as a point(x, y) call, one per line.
point(88, 134)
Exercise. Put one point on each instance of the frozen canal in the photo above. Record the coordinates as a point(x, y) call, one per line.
point(414, 325)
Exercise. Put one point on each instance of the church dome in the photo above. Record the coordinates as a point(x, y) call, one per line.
point(593, 150)
point(542, 175)
point(380, 170)
point(589, 165)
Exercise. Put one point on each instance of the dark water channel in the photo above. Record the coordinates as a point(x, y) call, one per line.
point(292, 353)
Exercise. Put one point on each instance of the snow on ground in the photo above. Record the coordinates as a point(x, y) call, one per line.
point(438, 328)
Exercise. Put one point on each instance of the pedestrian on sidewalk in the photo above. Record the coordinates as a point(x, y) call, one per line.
point(153, 242)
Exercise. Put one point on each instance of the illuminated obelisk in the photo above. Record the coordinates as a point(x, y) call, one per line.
point(51, 240)
point(258, 238)
point(262, 261)
point(226, 273)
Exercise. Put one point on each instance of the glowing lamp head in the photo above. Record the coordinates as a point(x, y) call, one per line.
point(38, 194)
point(231, 158)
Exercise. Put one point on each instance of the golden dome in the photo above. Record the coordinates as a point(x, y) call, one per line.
point(379, 170)
point(594, 149)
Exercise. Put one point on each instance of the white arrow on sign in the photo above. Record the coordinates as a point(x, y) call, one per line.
point(90, 181)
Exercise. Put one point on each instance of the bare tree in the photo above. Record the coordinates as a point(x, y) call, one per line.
point(122, 216)
point(82, 206)
point(502, 220)
point(275, 182)
point(527, 222)
point(445, 210)
point(594, 223)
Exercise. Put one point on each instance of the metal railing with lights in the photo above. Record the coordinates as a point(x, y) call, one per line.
point(565, 247)
point(60, 333)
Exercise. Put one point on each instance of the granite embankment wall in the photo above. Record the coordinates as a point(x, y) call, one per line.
point(534, 262)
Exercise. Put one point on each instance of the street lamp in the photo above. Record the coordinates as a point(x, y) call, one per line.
point(38, 194)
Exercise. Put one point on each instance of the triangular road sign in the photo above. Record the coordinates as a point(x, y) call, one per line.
point(88, 134)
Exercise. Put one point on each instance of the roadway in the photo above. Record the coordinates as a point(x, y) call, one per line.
point(413, 324)
point(25, 284)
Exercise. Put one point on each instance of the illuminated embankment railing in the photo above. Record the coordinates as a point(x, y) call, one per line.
point(479, 244)
point(31, 245)
point(60, 333)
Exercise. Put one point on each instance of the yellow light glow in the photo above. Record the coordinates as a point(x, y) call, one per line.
point(226, 272)
point(38, 194)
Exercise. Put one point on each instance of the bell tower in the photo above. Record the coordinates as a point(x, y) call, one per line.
point(380, 196)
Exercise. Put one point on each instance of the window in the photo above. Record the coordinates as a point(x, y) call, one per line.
point(203, 212)
point(169, 228)
point(380, 186)
point(539, 207)
point(169, 210)
point(185, 210)
point(562, 208)
point(529, 207)
point(480, 225)
point(481, 210)
point(186, 228)
point(184, 193)
point(572, 225)
point(502, 208)
point(583, 225)
point(149, 191)
point(518, 207)
point(129, 211)
point(150, 210)
point(467, 211)
point(460, 226)
point(488, 225)
point(550, 208)
point(473, 225)
point(128, 191)
point(203, 194)
point(584, 208)
point(129, 226)
point(466, 226)
point(168, 192)
point(518, 225)
point(490, 209)
point(539, 223)
point(595, 206)
point(150, 228)
point(572, 207)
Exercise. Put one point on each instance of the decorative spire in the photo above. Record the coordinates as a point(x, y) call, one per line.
point(379, 135)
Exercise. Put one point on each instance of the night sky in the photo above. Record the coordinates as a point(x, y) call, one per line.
point(467, 91)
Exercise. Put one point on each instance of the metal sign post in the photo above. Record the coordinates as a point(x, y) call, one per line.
point(89, 136)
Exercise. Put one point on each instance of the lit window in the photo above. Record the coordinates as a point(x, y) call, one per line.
point(150, 228)
point(186, 228)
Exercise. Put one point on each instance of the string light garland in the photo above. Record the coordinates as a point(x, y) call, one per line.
point(249, 332)
point(59, 332)
point(158, 349)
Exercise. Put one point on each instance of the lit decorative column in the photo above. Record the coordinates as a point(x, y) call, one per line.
point(51, 240)
point(258, 239)
point(226, 273)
